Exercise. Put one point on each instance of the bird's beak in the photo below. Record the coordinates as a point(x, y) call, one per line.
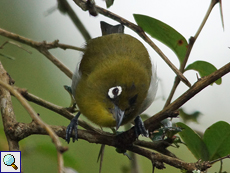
point(119, 115)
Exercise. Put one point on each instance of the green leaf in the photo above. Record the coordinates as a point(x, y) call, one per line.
point(204, 69)
point(164, 132)
point(217, 140)
point(157, 135)
point(164, 33)
point(189, 117)
point(170, 132)
point(177, 141)
point(193, 141)
point(109, 3)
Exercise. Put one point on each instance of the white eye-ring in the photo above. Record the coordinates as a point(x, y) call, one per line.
point(114, 92)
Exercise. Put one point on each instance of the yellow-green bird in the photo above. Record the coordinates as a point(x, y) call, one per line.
point(114, 82)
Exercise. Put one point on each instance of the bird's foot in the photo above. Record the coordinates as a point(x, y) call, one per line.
point(140, 128)
point(72, 127)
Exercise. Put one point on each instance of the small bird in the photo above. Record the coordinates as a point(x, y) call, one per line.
point(114, 82)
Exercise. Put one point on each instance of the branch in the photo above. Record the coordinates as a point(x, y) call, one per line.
point(157, 146)
point(220, 159)
point(43, 48)
point(28, 129)
point(56, 44)
point(36, 118)
point(8, 116)
point(212, 4)
point(64, 5)
point(10, 42)
point(190, 46)
point(83, 5)
point(58, 63)
point(177, 163)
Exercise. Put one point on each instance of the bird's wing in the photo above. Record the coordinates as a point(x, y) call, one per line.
point(152, 90)
point(75, 79)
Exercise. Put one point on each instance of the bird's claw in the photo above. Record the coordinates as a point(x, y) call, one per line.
point(72, 127)
point(140, 128)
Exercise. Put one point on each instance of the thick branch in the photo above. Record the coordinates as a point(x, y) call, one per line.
point(28, 129)
point(8, 116)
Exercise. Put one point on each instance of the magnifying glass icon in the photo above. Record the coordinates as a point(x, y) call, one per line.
point(9, 160)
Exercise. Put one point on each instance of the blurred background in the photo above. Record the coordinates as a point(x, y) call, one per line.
point(33, 19)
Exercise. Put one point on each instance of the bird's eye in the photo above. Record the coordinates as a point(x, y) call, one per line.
point(114, 92)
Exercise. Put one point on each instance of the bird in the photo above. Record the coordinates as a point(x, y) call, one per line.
point(114, 82)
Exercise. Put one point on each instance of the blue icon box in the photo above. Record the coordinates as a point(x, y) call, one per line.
point(10, 161)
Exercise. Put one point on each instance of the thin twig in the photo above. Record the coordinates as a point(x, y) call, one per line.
point(64, 5)
point(9, 57)
point(6, 56)
point(101, 156)
point(213, 3)
point(41, 47)
point(55, 61)
point(219, 159)
point(66, 46)
point(135, 164)
point(13, 43)
point(190, 46)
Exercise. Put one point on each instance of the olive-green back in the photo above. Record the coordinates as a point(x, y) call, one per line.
point(110, 47)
